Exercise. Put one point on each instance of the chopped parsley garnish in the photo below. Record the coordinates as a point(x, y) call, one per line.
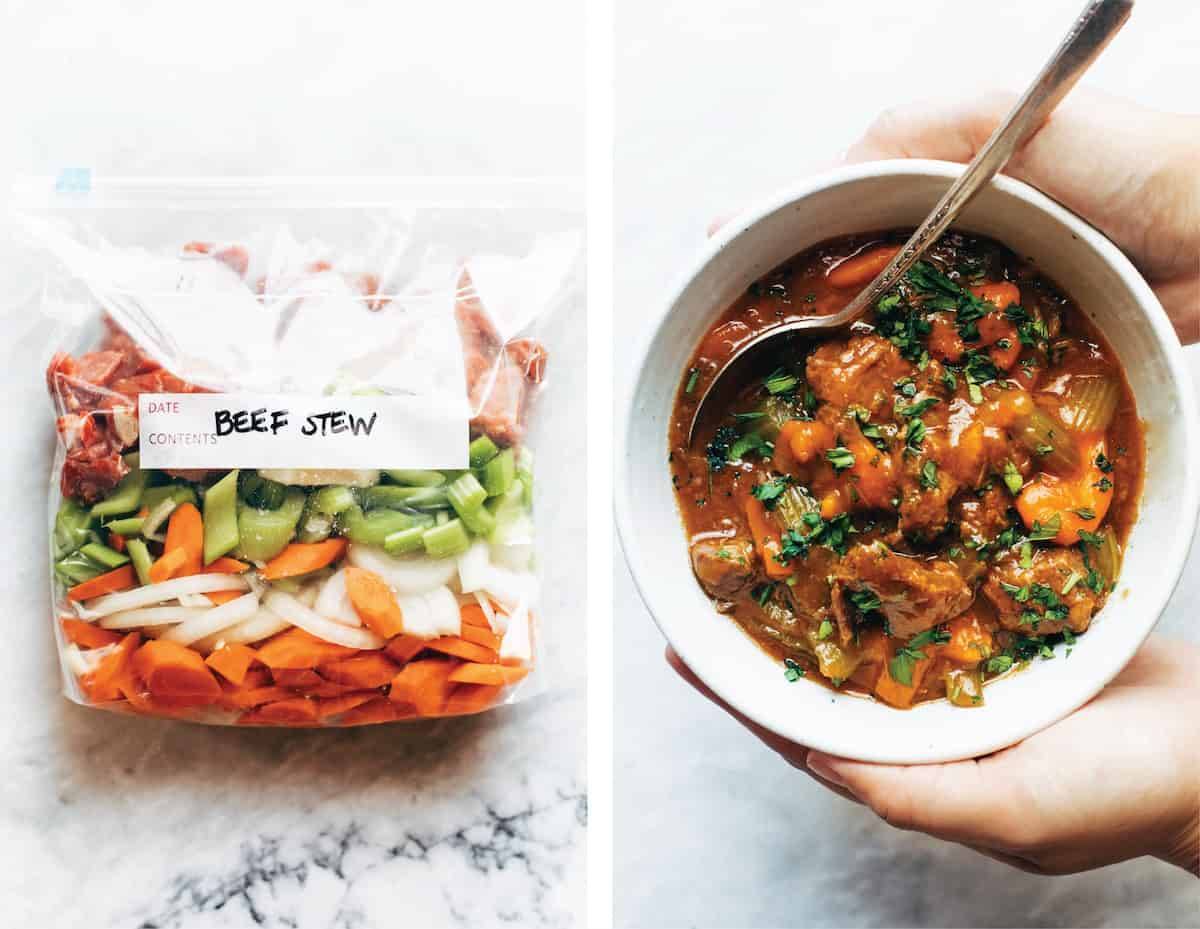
point(781, 382)
point(949, 380)
point(1026, 555)
point(1085, 513)
point(1048, 530)
point(763, 592)
point(868, 429)
point(998, 664)
point(753, 414)
point(916, 409)
point(1104, 464)
point(841, 458)
point(929, 478)
point(865, 600)
point(833, 534)
point(1074, 579)
point(1044, 449)
point(1091, 538)
point(792, 671)
point(902, 664)
point(825, 630)
point(1012, 478)
point(902, 325)
point(750, 442)
point(914, 436)
point(770, 491)
point(1020, 594)
point(906, 387)
point(718, 449)
point(1104, 485)
point(693, 376)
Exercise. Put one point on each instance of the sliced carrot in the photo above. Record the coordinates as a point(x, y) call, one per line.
point(374, 602)
point(998, 293)
point(335, 706)
point(999, 333)
point(461, 648)
point(116, 542)
point(296, 648)
point(298, 678)
point(766, 538)
point(224, 596)
point(809, 439)
point(170, 564)
point(176, 671)
point(244, 698)
point(493, 674)
point(301, 558)
point(327, 689)
point(121, 578)
point(472, 615)
point(367, 671)
point(481, 636)
point(970, 642)
point(860, 269)
point(185, 530)
point(103, 683)
point(945, 344)
point(225, 565)
point(425, 684)
point(232, 662)
point(379, 710)
point(292, 711)
point(404, 648)
point(893, 692)
point(471, 698)
point(88, 635)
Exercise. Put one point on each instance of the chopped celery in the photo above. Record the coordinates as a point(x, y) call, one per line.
point(447, 539)
point(1045, 436)
point(417, 478)
point(525, 474)
point(466, 494)
point(261, 493)
point(77, 568)
point(180, 493)
point(389, 496)
point(332, 500)
point(481, 451)
point(314, 526)
point(125, 496)
point(499, 473)
point(130, 525)
point(104, 555)
point(480, 521)
point(140, 556)
point(513, 523)
point(72, 528)
point(405, 541)
point(263, 534)
point(374, 527)
point(221, 518)
point(440, 518)
point(792, 506)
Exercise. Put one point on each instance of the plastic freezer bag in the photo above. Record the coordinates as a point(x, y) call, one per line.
point(293, 485)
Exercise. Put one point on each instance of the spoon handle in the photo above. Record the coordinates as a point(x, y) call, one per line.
point(1087, 38)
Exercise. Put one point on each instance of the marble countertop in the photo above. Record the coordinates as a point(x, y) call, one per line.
point(112, 821)
point(713, 829)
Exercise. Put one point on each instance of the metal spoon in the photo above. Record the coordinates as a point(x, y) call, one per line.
point(1087, 38)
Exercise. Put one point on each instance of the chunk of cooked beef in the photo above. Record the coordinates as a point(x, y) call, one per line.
point(724, 567)
point(925, 506)
point(914, 594)
point(860, 371)
point(1025, 597)
point(982, 517)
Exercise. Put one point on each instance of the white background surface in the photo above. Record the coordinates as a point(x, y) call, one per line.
point(717, 103)
point(124, 822)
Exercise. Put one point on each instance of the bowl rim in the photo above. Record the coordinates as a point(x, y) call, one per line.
point(1152, 313)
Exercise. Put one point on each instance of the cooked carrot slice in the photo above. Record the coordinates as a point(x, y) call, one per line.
point(88, 635)
point(103, 683)
point(425, 684)
point(860, 269)
point(335, 706)
point(173, 670)
point(292, 711)
point(121, 578)
point(404, 648)
point(116, 542)
point(460, 648)
point(295, 648)
point(301, 558)
point(374, 602)
point(226, 565)
point(471, 698)
point(298, 678)
point(185, 530)
point(970, 642)
point(244, 698)
point(170, 564)
point(472, 615)
point(232, 662)
point(495, 674)
point(367, 671)
point(379, 710)
point(766, 538)
point(224, 596)
point(480, 636)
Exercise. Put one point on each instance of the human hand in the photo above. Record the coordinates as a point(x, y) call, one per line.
point(1117, 779)
point(1132, 172)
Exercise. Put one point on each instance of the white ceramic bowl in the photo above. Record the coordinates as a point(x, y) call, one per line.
point(1104, 284)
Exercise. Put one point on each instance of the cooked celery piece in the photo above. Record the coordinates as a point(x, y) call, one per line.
point(389, 496)
point(1107, 557)
point(776, 410)
point(481, 451)
point(1049, 441)
point(375, 526)
point(125, 496)
point(525, 474)
point(332, 500)
point(792, 505)
point(513, 523)
point(405, 541)
point(480, 521)
point(104, 555)
point(180, 493)
point(1089, 402)
point(130, 525)
point(221, 518)
point(964, 686)
point(499, 473)
point(140, 556)
point(440, 518)
point(417, 478)
point(261, 493)
point(263, 534)
point(72, 528)
point(448, 539)
point(466, 494)
point(313, 526)
point(77, 568)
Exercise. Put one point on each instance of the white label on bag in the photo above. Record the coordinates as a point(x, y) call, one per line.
point(239, 430)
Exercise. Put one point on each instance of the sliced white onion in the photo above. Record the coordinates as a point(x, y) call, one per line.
point(473, 567)
point(333, 602)
point(416, 616)
point(516, 556)
point(313, 477)
point(432, 614)
point(261, 625)
point(510, 588)
point(489, 611)
point(158, 593)
point(291, 609)
point(413, 575)
point(443, 605)
point(152, 616)
point(195, 600)
point(517, 643)
point(157, 516)
point(74, 660)
point(308, 594)
point(214, 620)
